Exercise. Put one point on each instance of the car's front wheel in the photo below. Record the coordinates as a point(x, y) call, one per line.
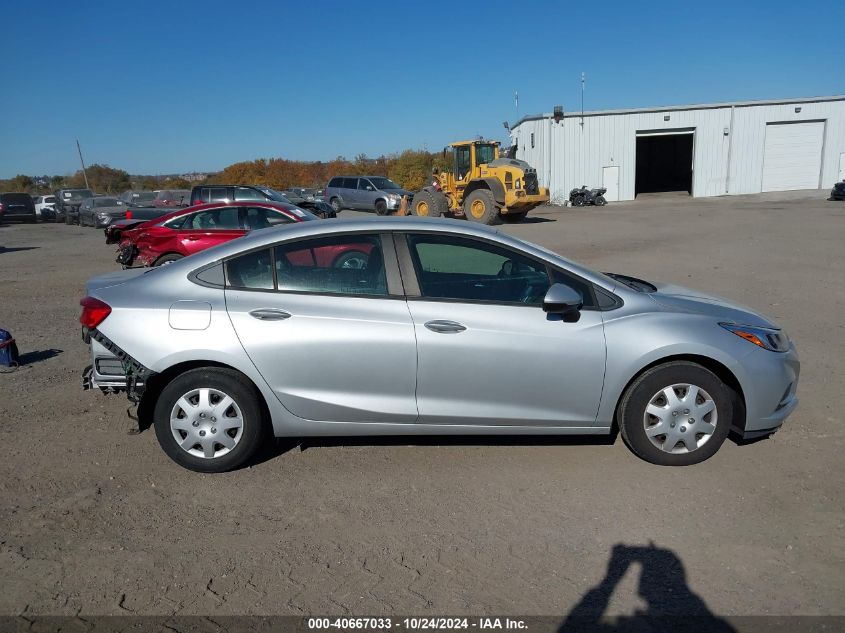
point(209, 420)
point(676, 414)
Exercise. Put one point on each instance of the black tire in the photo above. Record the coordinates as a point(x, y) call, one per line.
point(429, 204)
point(168, 259)
point(513, 218)
point(632, 411)
point(480, 206)
point(253, 432)
point(352, 259)
point(600, 201)
point(381, 207)
point(335, 204)
point(67, 218)
point(578, 201)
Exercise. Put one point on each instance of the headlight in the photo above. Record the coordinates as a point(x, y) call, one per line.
point(767, 338)
point(518, 184)
point(103, 216)
point(393, 196)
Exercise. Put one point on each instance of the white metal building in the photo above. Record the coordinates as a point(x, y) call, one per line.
point(707, 150)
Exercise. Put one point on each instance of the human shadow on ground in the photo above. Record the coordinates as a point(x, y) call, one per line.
point(670, 604)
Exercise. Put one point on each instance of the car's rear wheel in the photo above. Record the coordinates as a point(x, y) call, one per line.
point(335, 202)
point(168, 259)
point(676, 414)
point(209, 420)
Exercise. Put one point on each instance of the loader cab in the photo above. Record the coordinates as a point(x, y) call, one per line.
point(469, 155)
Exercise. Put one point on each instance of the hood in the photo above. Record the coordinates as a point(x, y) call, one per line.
point(679, 299)
point(510, 162)
point(399, 192)
point(113, 278)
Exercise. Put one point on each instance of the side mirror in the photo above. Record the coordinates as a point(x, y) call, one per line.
point(561, 299)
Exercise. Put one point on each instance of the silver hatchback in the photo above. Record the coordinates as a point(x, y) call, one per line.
point(442, 327)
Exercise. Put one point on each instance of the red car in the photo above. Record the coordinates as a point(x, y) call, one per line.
point(193, 229)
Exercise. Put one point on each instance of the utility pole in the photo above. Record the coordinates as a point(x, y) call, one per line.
point(516, 103)
point(583, 81)
point(82, 162)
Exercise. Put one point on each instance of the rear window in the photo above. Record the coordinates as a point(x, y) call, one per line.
point(76, 194)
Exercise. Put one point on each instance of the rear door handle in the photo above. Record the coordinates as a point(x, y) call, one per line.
point(270, 314)
point(445, 327)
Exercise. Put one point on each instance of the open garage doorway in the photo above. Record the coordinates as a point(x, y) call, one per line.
point(664, 161)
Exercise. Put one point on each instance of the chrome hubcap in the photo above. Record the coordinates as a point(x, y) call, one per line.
point(206, 423)
point(680, 418)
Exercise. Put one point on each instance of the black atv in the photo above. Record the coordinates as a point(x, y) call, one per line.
point(582, 197)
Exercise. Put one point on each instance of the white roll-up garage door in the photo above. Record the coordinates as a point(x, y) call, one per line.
point(792, 157)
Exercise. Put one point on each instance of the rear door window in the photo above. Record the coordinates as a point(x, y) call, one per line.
point(341, 264)
point(223, 219)
point(261, 218)
point(251, 271)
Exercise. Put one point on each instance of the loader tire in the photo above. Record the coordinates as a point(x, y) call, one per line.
point(480, 206)
point(429, 203)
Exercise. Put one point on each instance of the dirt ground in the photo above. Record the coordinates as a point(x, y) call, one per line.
point(95, 520)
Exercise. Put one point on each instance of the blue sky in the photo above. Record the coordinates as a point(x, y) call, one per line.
point(161, 87)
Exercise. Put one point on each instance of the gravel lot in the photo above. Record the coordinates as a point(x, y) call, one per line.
point(96, 520)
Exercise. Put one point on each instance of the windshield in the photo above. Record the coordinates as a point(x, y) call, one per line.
point(608, 279)
point(105, 202)
point(144, 196)
point(273, 194)
point(485, 154)
point(384, 183)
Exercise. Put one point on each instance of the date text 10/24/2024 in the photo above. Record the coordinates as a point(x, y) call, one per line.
point(415, 623)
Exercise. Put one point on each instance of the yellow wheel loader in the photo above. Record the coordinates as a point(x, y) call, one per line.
point(483, 187)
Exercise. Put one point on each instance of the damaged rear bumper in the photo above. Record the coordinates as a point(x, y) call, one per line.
point(113, 369)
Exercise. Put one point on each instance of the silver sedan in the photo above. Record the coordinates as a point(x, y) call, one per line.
point(439, 327)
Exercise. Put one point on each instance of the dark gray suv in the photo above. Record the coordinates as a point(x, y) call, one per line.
point(372, 193)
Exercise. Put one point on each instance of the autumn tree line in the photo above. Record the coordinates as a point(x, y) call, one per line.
point(411, 169)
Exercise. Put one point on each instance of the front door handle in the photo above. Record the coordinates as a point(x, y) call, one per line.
point(270, 314)
point(445, 327)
